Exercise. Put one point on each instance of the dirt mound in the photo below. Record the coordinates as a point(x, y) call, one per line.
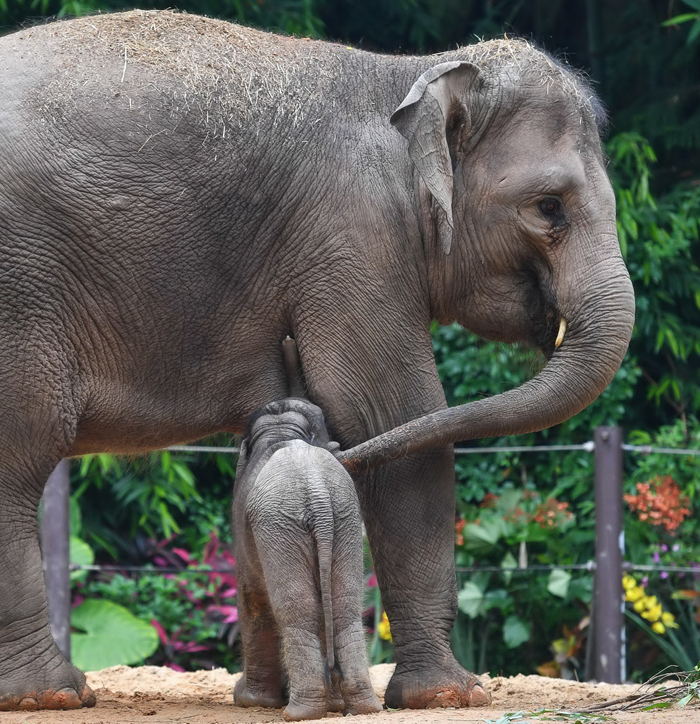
point(154, 695)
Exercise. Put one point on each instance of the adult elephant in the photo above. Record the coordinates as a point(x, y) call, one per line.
point(178, 194)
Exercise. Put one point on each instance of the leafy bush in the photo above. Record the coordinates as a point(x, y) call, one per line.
point(192, 614)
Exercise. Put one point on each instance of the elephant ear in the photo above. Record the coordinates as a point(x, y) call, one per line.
point(432, 118)
point(242, 460)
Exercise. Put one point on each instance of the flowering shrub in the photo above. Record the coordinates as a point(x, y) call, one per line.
point(549, 513)
point(660, 502)
point(648, 606)
point(194, 614)
point(507, 620)
point(384, 628)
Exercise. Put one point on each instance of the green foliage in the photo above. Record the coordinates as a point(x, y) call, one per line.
point(515, 609)
point(694, 33)
point(126, 502)
point(80, 555)
point(659, 239)
point(109, 635)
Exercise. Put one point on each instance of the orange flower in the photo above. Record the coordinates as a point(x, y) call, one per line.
point(660, 502)
point(459, 527)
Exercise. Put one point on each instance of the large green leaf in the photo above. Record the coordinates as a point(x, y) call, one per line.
point(470, 599)
point(558, 584)
point(81, 555)
point(112, 635)
point(515, 632)
point(507, 564)
point(482, 537)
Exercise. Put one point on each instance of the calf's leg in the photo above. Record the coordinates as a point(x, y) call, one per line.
point(262, 683)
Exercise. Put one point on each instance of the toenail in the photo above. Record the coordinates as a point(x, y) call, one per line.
point(29, 703)
point(479, 696)
point(87, 696)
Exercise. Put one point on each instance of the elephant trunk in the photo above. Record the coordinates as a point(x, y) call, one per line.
point(597, 334)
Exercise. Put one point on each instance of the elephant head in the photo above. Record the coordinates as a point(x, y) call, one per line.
point(518, 221)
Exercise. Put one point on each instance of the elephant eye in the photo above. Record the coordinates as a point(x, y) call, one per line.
point(550, 207)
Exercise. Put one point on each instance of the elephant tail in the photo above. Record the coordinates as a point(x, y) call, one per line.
point(322, 524)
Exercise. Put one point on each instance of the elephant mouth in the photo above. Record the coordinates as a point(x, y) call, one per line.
point(546, 333)
point(544, 317)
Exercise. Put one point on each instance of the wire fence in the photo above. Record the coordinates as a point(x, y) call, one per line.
point(588, 566)
point(588, 447)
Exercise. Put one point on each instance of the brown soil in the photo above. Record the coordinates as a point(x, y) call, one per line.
point(153, 695)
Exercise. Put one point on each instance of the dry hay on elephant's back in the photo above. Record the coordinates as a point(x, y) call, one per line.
point(231, 72)
point(228, 71)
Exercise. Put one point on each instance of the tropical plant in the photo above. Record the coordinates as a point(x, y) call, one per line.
point(106, 634)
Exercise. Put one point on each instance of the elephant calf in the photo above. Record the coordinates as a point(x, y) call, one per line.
point(298, 530)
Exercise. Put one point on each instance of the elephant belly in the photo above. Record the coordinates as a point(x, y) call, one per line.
point(126, 417)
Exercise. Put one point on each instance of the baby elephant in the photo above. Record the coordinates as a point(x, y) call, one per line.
point(298, 532)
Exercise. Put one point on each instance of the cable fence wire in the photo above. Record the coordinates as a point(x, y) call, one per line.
point(587, 447)
point(588, 566)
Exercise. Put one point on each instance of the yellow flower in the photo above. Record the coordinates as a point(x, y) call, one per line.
point(653, 613)
point(658, 627)
point(639, 606)
point(669, 620)
point(634, 594)
point(383, 628)
point(650, 601)
point(628, 582)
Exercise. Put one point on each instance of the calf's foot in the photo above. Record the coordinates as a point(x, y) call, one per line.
point(433, 688)
point(298, 711)
point(58, 686)
point(247, 695)
point(368, 705)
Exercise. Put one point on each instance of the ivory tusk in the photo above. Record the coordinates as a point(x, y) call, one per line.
point(560, 333)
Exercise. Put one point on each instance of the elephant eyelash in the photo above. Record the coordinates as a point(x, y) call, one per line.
point(556, 233)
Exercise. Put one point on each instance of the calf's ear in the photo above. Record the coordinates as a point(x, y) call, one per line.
point(242, 459)
point(433, 118)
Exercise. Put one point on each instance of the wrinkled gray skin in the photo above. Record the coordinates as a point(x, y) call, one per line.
point(179, 194)
point(298, 532)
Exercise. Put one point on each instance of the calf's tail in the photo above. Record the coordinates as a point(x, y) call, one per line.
point(322, 523)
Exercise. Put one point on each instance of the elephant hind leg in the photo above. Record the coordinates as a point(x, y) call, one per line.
point(262, 683)
point(33, 673)
point(350, 647)
point(296, 606)
point(355, 684)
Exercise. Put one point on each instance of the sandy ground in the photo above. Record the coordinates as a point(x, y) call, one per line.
point(153, 695)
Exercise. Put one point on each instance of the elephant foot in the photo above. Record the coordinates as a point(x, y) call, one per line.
point(63, 688)
point(335, 704)
point(267, 697)
point(435, 688)
point(297, 712)
point(368, 705)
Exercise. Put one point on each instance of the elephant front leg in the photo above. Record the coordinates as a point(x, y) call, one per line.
point(409, 509)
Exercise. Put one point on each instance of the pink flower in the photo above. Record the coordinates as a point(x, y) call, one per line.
point(161, 632)
point(229, 613)
point(185, 555)
point(372, 581)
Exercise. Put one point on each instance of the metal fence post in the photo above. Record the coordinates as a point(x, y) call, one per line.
point(607, 605)
point(55, 550)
